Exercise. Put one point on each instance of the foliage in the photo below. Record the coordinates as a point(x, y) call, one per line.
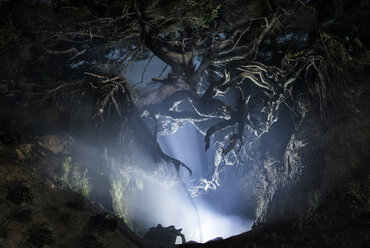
point(189, 13)
point(203, 13)
point(74, 177)
point(234, 58)
point(293, 54)
point(128, 181)
point(21, 215)
point(19, 192)
point(117, 198)
point(41, 234)
point(91, 241)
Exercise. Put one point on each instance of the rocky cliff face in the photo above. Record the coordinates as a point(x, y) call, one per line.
point(307, 180)
point(315, 191)
point(36, 211)
point(319, 158)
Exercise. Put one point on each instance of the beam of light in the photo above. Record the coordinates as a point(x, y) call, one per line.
point(158, 198)
point(187, 145)
point(163, 202)
point(215, 224)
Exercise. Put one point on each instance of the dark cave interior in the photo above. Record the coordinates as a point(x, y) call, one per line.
point(209, 123)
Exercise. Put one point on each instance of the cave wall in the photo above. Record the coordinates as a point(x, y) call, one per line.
point(38, 212)
point(320, 157)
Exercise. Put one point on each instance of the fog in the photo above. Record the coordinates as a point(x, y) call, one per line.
point(187, 144)
point(162, 196)
point(148, 197)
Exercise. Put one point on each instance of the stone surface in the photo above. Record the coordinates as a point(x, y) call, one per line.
point(40, 214)
point(55, 143)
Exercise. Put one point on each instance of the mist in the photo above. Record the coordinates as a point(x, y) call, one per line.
point(146, 193)
point(146, 198)
point(215, 217)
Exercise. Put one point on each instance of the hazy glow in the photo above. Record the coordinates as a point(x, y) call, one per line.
point(160, 198)
point(146, 198)
point(168, 204)
point(187, 144)
point(217, 225)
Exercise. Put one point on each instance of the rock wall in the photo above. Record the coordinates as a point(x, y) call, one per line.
point(319, 158)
